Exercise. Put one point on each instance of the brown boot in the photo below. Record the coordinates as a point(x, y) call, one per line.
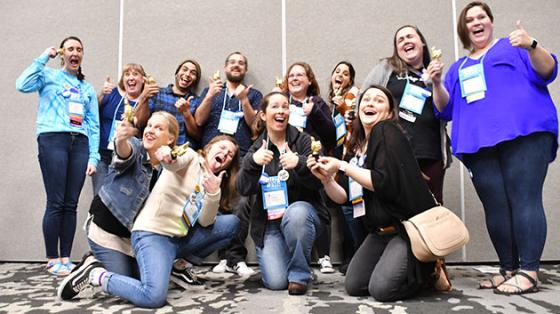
point(295, 288)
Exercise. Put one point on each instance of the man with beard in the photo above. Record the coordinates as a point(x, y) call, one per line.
point(175, 99)
point(230, 107)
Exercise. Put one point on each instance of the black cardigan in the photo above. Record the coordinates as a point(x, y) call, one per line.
point(400, 191)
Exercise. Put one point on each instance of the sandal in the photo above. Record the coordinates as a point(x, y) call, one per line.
point(55, 267)
point(517, 285)
point(492, 280)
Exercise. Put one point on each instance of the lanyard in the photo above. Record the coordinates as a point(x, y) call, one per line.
point(291, 102)
point(226, 98)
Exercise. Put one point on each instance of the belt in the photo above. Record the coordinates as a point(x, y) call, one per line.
point(386, 230)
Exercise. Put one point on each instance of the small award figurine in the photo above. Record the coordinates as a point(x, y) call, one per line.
point(60, 51)
point(216, 75)
point(352, 111)
point(315, 148)
point(278, 82)
point(128, 114)
point(179, 150)
point(436, 53)
point(151, 79)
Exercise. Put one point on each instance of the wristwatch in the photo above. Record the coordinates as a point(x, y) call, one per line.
point(534, 44)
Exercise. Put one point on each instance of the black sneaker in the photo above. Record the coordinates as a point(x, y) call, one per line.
point(78, 278)
point(184, 277)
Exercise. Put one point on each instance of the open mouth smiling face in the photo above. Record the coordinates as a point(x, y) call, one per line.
point(409, 46)
point(374, 107)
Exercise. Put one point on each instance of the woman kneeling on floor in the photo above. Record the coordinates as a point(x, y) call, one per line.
point(385, 186)
point(178, 219)
point(288, 211)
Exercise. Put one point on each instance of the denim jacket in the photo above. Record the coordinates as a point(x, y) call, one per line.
point(127, 184)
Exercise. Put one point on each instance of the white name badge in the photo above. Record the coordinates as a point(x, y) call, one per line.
point(275, 193)
point(472, 82)
point(356, 190)
point(76, 114)
point(192, 209)
point(297, 117)
point(359, 209)
point(414, 97)
point(229, 121)
point(340, 127)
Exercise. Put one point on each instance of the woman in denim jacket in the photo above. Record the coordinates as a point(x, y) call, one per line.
point(125, 190)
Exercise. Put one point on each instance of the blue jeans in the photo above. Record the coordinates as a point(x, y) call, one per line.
point(101, 171)
point(509, 179)
point(155, 254)
point(63, 158)
point(115, 261)
point(286, 251)
point(355, 226)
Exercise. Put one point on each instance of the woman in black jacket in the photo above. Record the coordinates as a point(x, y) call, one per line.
point(384, 184)
point(288, 211)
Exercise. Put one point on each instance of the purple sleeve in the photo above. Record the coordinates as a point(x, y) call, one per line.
point(534, 77)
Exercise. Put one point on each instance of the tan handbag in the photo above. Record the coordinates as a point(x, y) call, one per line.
point(435, 233)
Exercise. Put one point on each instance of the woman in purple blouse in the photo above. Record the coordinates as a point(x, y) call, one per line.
point(505, 130)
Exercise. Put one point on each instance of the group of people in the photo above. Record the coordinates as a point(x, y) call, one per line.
point(177, 176)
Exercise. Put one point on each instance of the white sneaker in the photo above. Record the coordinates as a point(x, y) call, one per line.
point(221, 267)
point(242, 269)
point(326, 266)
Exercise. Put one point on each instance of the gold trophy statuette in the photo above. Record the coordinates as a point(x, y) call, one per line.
point(179, 150)
point(216, 75)
point(151, 80)
point(315, 148)
point(60, 51)
point(128, 114)
point(278, 82)
point(436, 53)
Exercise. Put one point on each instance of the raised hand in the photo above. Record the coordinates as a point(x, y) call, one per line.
point(519, 37)
point(107, 86)
point(242, 91)
point(183, 105)
point(263, 156)
point(210, 181)
point(215, 86)
point(288, 159)
point(163, 154)
point(51, 51)
point(124, 131)
point(150, 89)
point(435, 70)
point(308, 106)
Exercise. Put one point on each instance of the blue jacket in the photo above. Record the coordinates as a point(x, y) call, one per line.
point(127, 185)
point(57, 90)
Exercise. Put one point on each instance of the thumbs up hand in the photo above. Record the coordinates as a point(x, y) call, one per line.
point(263, 156)
point(288, 159)
point(107, 86)
point(519, 37)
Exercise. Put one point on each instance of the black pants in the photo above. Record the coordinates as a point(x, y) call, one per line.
point(380, 268)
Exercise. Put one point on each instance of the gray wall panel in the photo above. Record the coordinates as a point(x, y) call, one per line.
point(29, 28)
point(158, 34)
